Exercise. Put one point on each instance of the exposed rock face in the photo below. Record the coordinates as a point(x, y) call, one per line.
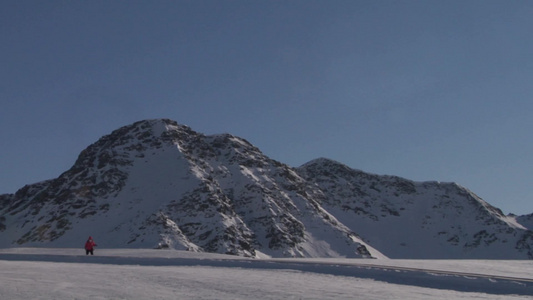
point(156, 183)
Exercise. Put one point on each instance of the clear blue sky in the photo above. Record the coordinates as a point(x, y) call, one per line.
point(427, 90)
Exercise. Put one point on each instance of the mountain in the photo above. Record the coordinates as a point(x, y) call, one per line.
point(526, 221)
point(157, 183)
point(407, 219)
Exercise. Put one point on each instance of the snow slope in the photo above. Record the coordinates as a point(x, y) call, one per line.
point(39, 273)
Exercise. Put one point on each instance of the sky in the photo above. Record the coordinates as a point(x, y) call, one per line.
point(426, 90)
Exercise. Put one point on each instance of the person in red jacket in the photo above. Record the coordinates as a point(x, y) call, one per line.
point(89, 246)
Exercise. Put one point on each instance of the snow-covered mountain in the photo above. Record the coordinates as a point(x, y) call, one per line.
point(526, 221)
point(407, 219)
point(156, 182)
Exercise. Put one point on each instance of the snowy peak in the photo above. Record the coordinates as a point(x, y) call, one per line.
point(407, 219)
point(156, 183)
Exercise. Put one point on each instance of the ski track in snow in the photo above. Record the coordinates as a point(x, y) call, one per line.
point(46, 273)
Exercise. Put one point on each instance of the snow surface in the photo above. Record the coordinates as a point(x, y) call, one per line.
point(61, 273)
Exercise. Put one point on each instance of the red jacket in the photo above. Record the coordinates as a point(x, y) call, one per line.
point(90, 244)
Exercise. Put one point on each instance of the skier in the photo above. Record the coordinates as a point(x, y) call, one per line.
point(89, 246)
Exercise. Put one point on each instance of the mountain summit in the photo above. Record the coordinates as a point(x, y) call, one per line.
point(157, 183)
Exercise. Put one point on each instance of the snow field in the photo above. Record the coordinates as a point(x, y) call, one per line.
point(32, 273)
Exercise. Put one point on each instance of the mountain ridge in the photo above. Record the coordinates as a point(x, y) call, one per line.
point(158, 183)
point(433, 211)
